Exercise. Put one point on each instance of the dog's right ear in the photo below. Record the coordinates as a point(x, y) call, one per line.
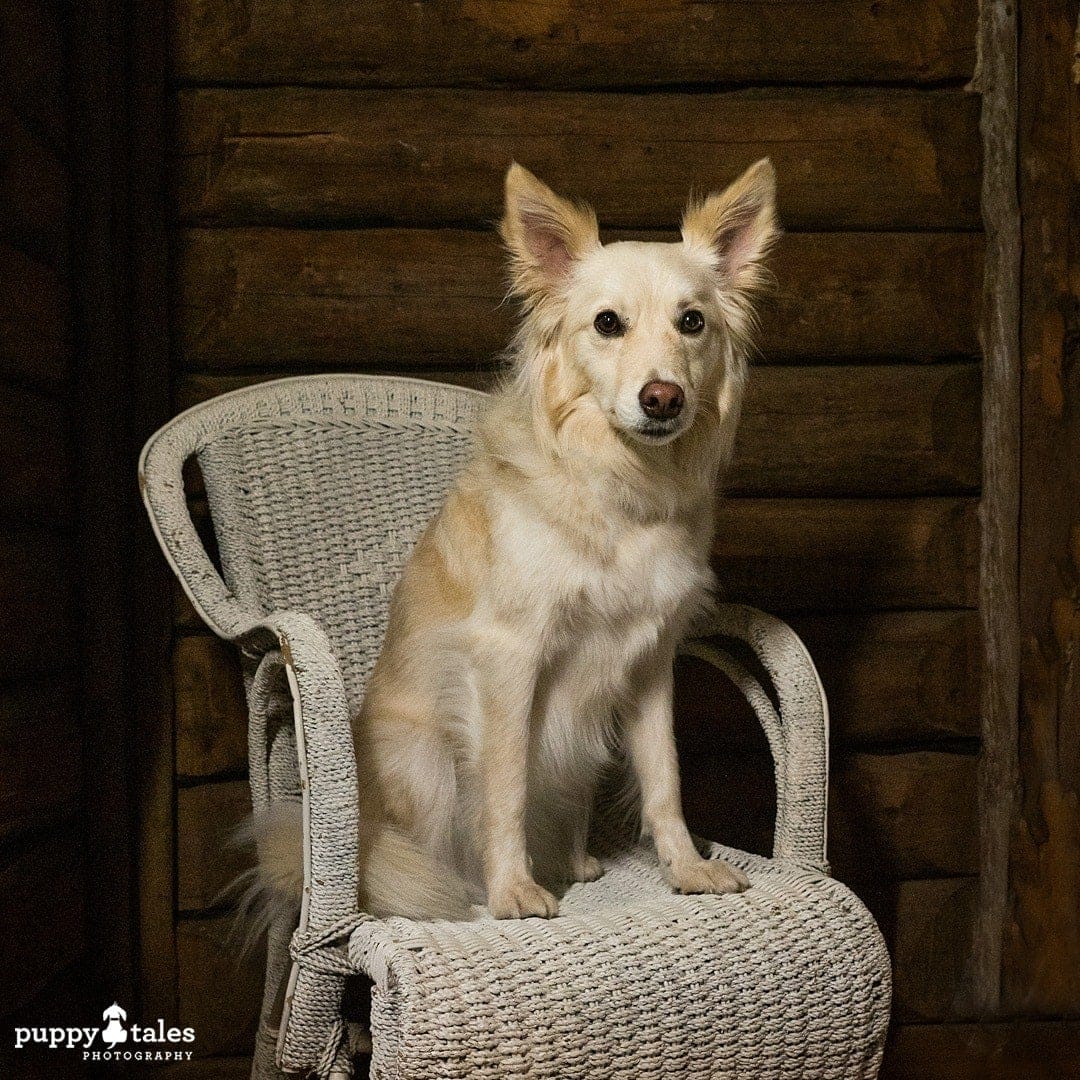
point(544, 233)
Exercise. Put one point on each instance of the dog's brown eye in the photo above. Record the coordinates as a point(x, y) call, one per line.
point(692, 322)
point(608, 323)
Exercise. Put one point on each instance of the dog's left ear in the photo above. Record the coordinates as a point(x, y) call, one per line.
point(737, 225)
point(544, 233)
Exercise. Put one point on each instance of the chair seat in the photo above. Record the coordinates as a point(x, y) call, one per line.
point(789, 979)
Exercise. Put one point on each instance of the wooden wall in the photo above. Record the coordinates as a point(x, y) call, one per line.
point(337, 169)
point(42, 889)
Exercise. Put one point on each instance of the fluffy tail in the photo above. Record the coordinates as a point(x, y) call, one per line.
point(396, 876)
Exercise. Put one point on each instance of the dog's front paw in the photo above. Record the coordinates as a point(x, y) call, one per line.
point(706, 876)
point(586, 868)
point(522, 900)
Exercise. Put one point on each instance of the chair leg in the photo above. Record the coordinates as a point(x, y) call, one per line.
point(278, 963)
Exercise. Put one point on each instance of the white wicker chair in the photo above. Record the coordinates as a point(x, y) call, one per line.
point(317, 488)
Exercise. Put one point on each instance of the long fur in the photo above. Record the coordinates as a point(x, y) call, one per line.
point(531, 637)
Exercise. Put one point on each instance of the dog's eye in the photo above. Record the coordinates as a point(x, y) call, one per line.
point(608, 323)
point(692, 322)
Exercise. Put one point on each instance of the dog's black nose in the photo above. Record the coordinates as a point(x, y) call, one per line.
point(662, 400)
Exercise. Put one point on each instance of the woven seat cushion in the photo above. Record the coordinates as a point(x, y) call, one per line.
point(789, 979)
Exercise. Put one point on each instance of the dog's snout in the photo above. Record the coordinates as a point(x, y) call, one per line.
point(662, 400)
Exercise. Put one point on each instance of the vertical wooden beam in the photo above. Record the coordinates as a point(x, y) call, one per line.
point(121, 394)
point(1042, 939)
point(995, 79)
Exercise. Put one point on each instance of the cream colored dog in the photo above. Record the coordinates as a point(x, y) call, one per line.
point(535, 625)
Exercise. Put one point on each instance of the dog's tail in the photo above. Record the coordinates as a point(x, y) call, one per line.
point(396, 876)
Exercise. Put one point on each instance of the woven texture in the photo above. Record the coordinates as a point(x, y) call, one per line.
point(318, 488)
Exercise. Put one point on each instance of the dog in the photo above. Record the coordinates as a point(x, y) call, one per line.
point(532, 634)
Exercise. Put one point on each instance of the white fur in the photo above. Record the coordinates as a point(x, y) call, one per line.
point(534, 628)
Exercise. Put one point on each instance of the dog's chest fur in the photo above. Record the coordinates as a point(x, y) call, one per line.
point(598, 612)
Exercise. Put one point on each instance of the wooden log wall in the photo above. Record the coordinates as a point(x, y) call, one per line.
point(337, 169)
point(42, 890)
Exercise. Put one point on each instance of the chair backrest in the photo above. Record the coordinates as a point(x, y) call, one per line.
point(319, 487)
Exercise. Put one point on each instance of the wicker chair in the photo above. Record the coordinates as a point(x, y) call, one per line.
point(318, 488)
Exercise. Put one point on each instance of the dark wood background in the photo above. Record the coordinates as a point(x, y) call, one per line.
point(333, 171)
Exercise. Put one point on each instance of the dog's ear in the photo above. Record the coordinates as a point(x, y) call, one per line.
point(544, 233)
point(737, 225)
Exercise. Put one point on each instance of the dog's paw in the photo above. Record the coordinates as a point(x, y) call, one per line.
point(706, 876)
point(586, 868)
point(522, 900)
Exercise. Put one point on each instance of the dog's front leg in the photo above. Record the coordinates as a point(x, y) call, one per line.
point(507, 678)
point(650, 740)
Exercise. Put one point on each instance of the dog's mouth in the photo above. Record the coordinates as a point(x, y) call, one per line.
point(657, 432)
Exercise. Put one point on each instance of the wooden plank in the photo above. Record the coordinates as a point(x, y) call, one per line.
point(930, 930)
point(898, 816)
point(262, 297)
point(40, 895)
point(893, 678)
point(999, 513)
point(558, 44)
point(905, 676)
point(35, 321)
point(844, 159)
point(829, 430)
point(211, 711)
point(207, 860)
point(35, 192)
point(36, 603)
point(1014, 1050)
point(858, 431)
point(828, 555)
point(36, 480)
point(1042, 932)
point(40, 750)
point(208, 960)
point(844, 554)
point(32, 44)
point(893, 817)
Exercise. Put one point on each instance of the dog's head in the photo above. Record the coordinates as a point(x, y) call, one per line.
point(643, 333)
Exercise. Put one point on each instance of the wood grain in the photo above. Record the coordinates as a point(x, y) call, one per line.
point(35, 321)
point(1042, 931)
point(40, 752)
point(400, 298)
point(36, 480)
point(572, 43)
point(848, 554)
point(844, 159)
point(999, 512)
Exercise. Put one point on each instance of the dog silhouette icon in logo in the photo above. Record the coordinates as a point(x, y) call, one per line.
point(114, 1031)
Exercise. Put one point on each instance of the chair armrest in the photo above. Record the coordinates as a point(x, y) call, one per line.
point(326, 759)
point(798, 731)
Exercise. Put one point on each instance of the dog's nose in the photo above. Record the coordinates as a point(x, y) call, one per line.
point(662, 400)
